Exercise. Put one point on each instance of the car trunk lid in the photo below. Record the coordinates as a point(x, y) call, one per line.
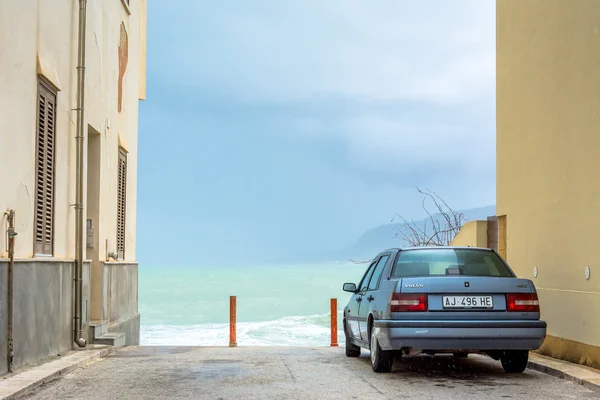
point(464, 285)
point(470, 296)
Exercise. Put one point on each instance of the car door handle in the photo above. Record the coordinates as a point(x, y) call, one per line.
point(359, 299)
point(370, 298)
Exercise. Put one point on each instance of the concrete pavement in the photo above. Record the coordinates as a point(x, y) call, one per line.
point(23, 381)
point(296, 373)
point(580, 374)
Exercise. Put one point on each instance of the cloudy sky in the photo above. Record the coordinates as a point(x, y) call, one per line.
point(276, 127)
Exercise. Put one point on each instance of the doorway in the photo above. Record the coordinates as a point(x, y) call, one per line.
point(93, 221)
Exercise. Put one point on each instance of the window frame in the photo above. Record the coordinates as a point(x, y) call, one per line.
point(368, 274)
point(50, 94)
point(122, 169)
point(492, 253)
point(387, 259)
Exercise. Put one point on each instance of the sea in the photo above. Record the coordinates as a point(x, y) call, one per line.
point(277, 305)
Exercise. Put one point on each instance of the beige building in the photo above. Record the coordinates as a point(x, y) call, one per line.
point(43, 118)
point(548, 151)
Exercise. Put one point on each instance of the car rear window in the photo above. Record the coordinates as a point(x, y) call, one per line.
point(434, 262)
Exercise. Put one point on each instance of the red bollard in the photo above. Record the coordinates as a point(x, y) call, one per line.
point(232, 318)
point(334, 325)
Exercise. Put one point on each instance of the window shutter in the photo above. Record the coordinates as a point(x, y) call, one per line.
point(121, 203)
point(44, 201)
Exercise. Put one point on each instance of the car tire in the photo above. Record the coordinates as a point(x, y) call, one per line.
point(515, 361)
point(461, 354)
point(381, 360)
point(352, 350)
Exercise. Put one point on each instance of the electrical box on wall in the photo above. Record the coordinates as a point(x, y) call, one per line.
point(89, 238)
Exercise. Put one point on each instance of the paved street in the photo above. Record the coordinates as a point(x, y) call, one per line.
point(296, 373)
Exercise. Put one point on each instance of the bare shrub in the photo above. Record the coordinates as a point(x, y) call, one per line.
point(438, 229)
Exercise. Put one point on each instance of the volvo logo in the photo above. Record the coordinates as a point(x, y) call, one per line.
point(414, 285)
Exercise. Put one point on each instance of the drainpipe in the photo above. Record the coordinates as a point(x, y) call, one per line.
point(78, 329)
point(10, 214)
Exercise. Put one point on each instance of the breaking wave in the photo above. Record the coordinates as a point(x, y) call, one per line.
point(313, 330)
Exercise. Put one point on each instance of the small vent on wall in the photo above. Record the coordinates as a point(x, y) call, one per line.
point(89, 235)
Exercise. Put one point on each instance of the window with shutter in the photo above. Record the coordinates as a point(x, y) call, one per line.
point(44, 198)
point(121, 203)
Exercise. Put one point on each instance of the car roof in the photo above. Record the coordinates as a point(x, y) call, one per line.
point(436, 247)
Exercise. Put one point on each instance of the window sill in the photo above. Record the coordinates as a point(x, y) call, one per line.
point(127, 9)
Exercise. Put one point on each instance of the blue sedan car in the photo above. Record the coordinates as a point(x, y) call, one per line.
point(433, 300)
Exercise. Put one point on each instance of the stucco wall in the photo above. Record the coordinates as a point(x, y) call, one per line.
point(26, 49)
point(40, 37)
point(106, 23)
point(42, 309)
point(472, 233)
point(548, 143)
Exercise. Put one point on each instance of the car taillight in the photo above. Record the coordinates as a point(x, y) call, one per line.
point(408, 302)
point(524, 302)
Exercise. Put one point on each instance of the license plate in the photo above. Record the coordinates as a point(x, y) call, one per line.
point(467, 302)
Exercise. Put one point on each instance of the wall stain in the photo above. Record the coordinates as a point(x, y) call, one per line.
point(123, 58)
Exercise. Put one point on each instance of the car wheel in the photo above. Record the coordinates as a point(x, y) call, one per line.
point(381, 360)
point(515, 361)
point(461, 354)
point(352, 350)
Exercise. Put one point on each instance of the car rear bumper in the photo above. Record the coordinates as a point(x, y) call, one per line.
point(460, 335)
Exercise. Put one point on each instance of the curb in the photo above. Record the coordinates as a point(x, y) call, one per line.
point(565, 370)
point(15, 386)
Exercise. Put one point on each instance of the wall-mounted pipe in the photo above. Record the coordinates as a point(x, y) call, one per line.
point(79, 221)
point(10, 216)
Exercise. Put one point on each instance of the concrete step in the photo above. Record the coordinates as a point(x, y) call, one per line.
point(115, 339)
point(98, 328)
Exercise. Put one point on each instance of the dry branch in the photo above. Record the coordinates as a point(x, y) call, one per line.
point(439, 228)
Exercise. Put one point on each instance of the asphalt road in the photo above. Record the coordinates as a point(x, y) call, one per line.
point(296, 373)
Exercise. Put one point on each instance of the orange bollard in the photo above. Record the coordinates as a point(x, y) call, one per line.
point(232, 318)
point(334, 325)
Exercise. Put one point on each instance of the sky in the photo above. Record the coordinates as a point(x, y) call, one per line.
point(274, 128)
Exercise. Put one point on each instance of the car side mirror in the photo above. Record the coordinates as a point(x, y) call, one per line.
point(350, 287)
